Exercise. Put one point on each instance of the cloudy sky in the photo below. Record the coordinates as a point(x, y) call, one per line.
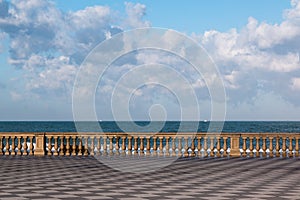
point(254, 43)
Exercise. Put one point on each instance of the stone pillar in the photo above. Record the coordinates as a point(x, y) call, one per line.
point(235, 151)
point(39, 148)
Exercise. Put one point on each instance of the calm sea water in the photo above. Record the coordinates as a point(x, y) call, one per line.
point(170, 126)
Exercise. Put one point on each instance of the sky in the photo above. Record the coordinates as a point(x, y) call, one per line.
point(254, 44)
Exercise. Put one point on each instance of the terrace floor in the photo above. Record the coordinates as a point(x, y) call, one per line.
point(186, 178)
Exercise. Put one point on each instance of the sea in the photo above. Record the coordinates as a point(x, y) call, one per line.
point(146, 126)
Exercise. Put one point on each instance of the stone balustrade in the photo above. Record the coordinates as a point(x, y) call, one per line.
point(146, 144)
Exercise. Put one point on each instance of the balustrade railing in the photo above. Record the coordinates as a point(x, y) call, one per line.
point(146, 144)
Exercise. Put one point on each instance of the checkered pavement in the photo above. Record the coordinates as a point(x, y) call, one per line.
point(186, 178)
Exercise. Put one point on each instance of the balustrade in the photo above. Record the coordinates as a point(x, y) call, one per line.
point(144, 144)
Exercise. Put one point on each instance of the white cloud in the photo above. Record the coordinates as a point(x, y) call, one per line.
point(135, 13)
point(260, 56)
point(49, 45)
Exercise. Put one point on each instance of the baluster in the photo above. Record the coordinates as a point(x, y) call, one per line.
point(135, 145)
point(73, 145)
point(62, 149)
point(68, 153)
point(92, 149)
point(7, 146)
point(86, 146)
point(284, 144)
point(140, 145)
point(25, 152)
point(110, 145)
point(80, 146)
point(271, 145)
point(148, 145)
point(13, 145)
point(225, 144)
point(204, 146)
point(218, 147)
point(19, 146)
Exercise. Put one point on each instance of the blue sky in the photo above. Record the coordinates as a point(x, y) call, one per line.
point(194, 15)
point(254, 43)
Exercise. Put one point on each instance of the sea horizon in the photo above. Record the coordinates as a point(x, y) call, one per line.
point(152, 126)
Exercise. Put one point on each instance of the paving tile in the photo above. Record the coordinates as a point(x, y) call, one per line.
point(186, 178)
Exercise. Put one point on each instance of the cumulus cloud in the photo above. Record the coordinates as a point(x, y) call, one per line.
point(48, 45)
point(260, 56)
point(135, 13)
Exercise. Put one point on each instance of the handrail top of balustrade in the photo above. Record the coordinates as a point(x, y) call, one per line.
point(149, 134)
